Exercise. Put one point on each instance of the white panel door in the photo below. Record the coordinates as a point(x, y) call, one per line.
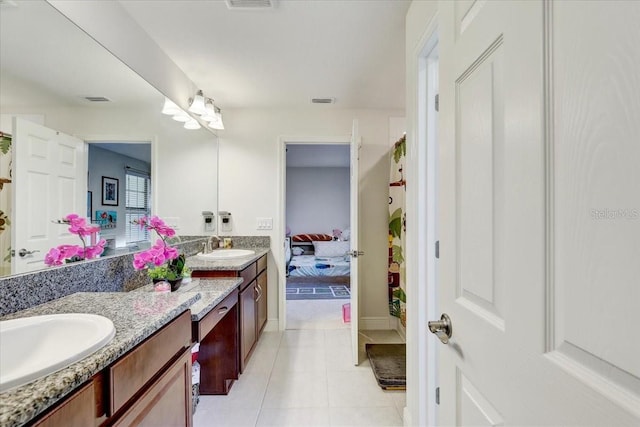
point(539, 212)
point(354, 198)
point(50, 182)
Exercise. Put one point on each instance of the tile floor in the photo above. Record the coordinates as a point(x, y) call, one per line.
point(304, 377)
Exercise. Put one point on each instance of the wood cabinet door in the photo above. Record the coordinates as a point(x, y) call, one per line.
point(261, 284)
point(247, 321)
point(77, 410)
point(167, 402)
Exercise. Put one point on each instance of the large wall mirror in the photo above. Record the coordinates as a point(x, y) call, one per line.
point(55, 77)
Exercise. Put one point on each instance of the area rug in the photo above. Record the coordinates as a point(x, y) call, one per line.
point(317, 291)
point(389, 364)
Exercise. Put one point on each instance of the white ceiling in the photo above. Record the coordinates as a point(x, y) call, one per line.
point(352, 50)
point(41, 47)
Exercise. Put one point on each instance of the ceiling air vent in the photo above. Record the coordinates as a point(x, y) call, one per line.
point(323, 100)
point(97, 99)
point(250, 4)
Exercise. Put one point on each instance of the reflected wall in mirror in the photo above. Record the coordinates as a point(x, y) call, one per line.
point(53, 74)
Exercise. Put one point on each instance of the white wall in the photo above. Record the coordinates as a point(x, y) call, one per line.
point(249, 179)
point(317, 199)
point(184, 175)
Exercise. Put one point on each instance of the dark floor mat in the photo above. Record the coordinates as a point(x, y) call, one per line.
point(389, 364)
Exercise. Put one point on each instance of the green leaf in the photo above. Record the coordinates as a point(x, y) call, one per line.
point(399, 293)
point(400, 149)
point(395, 223)
point(5, 144)
point(394, 308)
point(396, 252)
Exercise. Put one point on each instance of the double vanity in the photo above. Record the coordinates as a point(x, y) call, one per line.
point(143, 374)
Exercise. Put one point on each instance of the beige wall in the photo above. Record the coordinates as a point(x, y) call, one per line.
point(249, 185)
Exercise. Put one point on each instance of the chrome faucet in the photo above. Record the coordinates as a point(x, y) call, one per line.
point(209, 245)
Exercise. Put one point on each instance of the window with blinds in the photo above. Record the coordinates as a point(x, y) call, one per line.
point(138, 194)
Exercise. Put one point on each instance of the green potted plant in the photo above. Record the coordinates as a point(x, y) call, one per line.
point(161, 261)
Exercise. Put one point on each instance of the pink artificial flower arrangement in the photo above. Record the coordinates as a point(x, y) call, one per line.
point(161, 260)
point(72, 253)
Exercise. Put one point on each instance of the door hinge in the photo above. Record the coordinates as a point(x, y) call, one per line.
point(437, 395)
point(355, 254)
point(437, 102)
point(437, 249)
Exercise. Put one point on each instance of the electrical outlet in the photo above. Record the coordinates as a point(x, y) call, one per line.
point(264, 223)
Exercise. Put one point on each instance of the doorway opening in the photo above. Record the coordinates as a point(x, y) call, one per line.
point(126, 166)
point(317, 233)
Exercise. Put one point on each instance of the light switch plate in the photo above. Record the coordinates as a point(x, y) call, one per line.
point(264, 223)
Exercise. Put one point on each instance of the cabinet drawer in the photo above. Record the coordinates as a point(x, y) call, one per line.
point(262, 264)
point(76, 410)
point(167, 402)
point(208, 322)
point(248, 274)
point(129, 374)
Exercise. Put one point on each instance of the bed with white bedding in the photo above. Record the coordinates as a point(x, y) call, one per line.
point(330, 258)
point(312, 265)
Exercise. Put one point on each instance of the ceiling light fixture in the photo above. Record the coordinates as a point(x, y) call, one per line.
point(192, 124)
point(200, 105)
point(207, 110)
point(210, 111)
point(217, 122)
point(170, 108)
point(196, 104)
point(182, 117)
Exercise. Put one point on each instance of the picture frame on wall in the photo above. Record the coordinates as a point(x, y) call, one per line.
point(110, 191)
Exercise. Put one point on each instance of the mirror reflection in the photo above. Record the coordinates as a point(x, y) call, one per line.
point(83, 133)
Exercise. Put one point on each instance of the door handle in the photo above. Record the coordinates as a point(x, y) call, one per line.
point(23, 252)
point(355, 254)
point(442, 328)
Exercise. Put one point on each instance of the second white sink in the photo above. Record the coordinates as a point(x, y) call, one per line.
point(33, 347)
point(219, 254)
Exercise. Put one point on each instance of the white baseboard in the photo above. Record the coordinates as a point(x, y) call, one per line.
point(406, 417)
point(272, 325)
point(401, 330)
point(375, 323)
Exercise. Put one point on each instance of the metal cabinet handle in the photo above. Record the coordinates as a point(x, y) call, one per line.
point(442, 328)
point(258, 288)
point(23, 252)
point(223, 310)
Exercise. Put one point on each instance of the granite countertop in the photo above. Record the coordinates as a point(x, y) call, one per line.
point(211, 291)
point(234, 264)
point(135, 315)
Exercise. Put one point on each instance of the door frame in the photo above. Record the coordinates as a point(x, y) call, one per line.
point(422, 282)
point(281, 226)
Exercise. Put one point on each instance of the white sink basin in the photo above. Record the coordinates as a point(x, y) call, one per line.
point(33, 347)
point(226, 254)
